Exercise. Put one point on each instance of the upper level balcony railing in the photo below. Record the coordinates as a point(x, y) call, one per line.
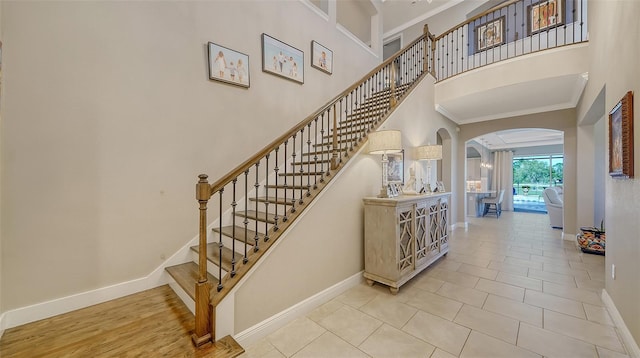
point(515, 28)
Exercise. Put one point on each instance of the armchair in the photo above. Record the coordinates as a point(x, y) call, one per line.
point(554, 204)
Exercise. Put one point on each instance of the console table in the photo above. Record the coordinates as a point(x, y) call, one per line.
point(404, 235)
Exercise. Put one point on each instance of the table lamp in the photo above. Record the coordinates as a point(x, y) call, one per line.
point(428, 153)
point(384, 142)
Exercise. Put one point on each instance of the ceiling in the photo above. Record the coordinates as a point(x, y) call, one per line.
point(519, 138)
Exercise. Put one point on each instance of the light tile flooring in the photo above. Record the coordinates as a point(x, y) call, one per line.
point(509, 287)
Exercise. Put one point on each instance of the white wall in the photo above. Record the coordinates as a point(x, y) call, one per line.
point(613, 44)
point(109, 116)
point(1, 171)
point(333, 228)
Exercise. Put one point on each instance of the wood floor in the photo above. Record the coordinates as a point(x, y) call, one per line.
point(152, 323)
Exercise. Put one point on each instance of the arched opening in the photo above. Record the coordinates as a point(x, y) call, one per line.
point(523, 162)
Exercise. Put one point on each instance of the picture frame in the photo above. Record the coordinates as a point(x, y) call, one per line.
point(282, 60)
point(392, 190)
point(621, 138)
point(490, 34)
point(228, 66)
point(321, 57)
point(545, 15)
point(395, 168)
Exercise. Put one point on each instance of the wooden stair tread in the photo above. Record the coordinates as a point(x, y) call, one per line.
point(289, 186)
point(272, 200)
point(258, 215)
point(299, 174)
point(213, 255)
point(240, 234)
point(186, 275)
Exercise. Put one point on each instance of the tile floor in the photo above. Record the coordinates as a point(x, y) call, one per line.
point(509, 287)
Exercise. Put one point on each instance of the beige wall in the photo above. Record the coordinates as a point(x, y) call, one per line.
point(333, 229)
point(439, 23)
point(1, 170)
point(109, 117)
point(563, 120)
point(613, 47)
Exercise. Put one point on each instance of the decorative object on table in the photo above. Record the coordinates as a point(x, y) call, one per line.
point(428, 153)
point(490, 34)
point(386, 142)
point(621, 138)
point(282, 60)
point(321, 57)
point(545, 15)
point(440, 187)
point(592, 240)
point(227, 65)
point(410, 187)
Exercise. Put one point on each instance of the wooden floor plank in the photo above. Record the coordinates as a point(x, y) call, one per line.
point(150, 323)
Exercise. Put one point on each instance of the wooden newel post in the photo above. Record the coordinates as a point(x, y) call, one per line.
point(426, 47)
point(203, 332)
point(335, 149)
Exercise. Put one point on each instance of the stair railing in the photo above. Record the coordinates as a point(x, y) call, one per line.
point(315, 149)
point(514, 28)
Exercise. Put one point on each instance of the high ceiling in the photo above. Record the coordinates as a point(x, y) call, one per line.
point(399, 14)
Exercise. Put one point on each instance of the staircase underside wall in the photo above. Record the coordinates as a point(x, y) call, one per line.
point(326, 246)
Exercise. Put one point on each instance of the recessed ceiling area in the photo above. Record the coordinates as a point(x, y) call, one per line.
point(520, 138)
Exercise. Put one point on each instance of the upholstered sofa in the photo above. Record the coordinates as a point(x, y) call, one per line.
point(553, 201)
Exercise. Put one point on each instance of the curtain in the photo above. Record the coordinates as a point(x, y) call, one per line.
point(503, 177)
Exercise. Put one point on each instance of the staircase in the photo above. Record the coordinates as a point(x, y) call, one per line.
point(256, 202)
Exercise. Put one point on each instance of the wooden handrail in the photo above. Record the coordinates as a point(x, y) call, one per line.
point(220, 183)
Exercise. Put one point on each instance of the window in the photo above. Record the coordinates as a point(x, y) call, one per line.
point(532, 174)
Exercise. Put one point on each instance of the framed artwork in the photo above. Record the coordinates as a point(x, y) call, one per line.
point(490, 34)
point(392, 190)
point(621, 138)
point(395, 168)
point(545, 14)
point(321, 57)
point(282, 60)
point(227, 65)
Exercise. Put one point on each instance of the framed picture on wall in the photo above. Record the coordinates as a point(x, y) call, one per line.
point(395, 168)
point(321, 57)
point(490, 34)
point(545, 15)
point(621, 138)
point(282, 60)
point(227, 65)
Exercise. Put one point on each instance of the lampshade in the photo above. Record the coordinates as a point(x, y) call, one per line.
point(381, 142)
point(428, 152)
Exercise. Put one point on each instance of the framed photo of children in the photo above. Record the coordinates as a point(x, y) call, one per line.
point(621, 138)
point(321, 57)
point(395, 168)
point(282, 60)
point(227, 65)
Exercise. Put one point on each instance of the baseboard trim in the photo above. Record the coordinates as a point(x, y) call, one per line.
point(630, 344)
point(462, 225)
point(38, 311)
point(279, 320)
point(1, 325)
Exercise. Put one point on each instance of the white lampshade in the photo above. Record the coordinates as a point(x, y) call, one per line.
point(381, 142)
point(428, 152)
